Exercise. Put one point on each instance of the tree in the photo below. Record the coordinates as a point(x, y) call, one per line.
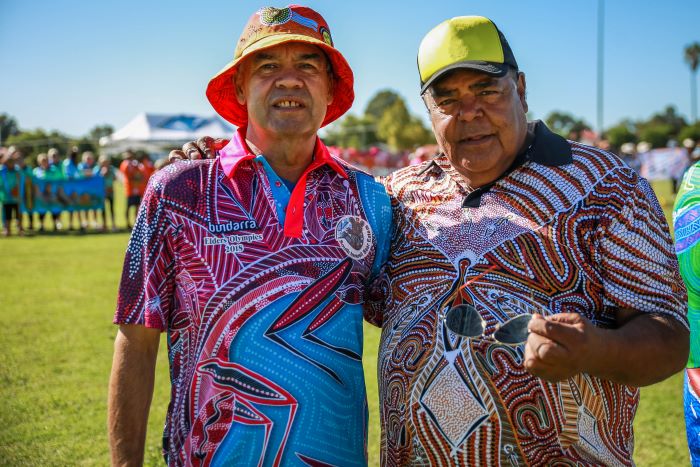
point(669, 117)
point(381, 102)
point(352, 132)
point(386, 120)
point(661, 127)
point(566, 125)
point(100, 131)
point(690, 131)
point(656, 134)
point(692, 58)
point(33, 142)
point(623, 132)
point(8, 127)
point(401, 130)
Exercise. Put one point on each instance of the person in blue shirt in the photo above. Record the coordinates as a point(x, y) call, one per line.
point(108, 173)
point(11, 193)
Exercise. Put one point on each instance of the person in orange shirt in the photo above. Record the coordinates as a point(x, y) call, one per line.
point(147, 169)
point(134, 186)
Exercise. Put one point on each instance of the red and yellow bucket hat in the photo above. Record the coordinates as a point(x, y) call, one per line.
point(267, 28)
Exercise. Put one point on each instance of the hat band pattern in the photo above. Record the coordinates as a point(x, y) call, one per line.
point(270, 16)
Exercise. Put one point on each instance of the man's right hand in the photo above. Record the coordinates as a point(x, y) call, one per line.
point(204, 148)
point(130, 392)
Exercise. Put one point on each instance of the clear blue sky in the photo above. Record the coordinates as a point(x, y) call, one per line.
point(70, 65)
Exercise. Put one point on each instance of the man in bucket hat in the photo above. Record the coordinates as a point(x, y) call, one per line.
point(256, 264)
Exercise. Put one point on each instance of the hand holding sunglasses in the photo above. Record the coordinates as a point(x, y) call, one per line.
point(563, 345)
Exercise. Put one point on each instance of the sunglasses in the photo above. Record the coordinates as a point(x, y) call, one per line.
point(465, 321)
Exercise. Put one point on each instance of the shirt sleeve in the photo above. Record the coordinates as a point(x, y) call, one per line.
point(383, 225)
point(147, 283)
point(635, 256)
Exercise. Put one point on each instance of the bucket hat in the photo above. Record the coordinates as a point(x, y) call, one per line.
point(269, 27)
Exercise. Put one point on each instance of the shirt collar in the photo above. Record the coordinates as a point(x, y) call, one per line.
point(237, 151)
point(547, 148)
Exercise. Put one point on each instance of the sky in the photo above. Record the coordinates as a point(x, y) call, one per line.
point(70, 65)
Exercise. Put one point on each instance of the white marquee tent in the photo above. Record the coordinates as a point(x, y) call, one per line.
point(159, 133)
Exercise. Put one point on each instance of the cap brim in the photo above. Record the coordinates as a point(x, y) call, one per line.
point(221, 91)
point(490, 68)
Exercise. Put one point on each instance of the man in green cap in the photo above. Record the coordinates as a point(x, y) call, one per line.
point(531, 286)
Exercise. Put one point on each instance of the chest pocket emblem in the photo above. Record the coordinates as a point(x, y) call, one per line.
point(354, 236)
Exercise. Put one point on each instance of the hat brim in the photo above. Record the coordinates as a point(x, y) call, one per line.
point(221, 90)
point(490, 68)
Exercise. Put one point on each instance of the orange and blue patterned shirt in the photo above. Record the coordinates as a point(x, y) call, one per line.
point(569, 228)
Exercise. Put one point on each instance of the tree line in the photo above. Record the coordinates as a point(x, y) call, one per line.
point(35, 141)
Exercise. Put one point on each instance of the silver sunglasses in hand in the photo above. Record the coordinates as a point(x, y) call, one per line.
point(465, 321)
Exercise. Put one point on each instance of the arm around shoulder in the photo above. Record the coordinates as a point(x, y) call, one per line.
point(130, 392)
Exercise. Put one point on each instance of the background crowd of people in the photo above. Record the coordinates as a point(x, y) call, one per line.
point(23, 186)
point(19, 190)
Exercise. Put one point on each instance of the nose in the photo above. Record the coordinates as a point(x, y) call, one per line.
point(289, 79)
point(469, 108)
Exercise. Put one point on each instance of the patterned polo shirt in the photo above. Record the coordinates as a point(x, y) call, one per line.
point(264, 316)
point(568, 228)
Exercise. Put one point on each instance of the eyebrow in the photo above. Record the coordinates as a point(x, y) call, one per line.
point(262, 56)
point(311, 56)
point(485, 83)
point(438, 91)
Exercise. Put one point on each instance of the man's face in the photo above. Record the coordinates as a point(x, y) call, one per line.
point(287, 90)
point(479, 121)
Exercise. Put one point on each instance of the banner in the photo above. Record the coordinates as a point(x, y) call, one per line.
point(663, 164)
point(66, 195)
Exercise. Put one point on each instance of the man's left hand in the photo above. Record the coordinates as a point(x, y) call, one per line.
point(560, 346)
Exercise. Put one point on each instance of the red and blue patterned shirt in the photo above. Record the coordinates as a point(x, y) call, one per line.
point(263, 313)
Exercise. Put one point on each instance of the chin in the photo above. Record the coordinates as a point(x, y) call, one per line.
point(295, 126)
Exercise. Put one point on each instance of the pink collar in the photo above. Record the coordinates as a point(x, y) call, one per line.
point(237, 151)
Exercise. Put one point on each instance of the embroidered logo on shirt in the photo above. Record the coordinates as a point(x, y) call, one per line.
point(354, 236)
point(231, 226)
point(232, 243)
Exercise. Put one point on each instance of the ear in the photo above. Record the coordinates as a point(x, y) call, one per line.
point(522, 90)
point(331, 87)
point(238, 86)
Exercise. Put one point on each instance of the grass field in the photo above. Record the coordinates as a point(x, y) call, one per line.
point(57, 297)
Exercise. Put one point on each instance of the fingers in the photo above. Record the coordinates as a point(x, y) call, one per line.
point(220, 143)
point(545, 350)
point(192, 151)
point(176, 156)
point(208, 146)
point(204, 146)
point(559, 346)
point(547, 359)
point(564, 328)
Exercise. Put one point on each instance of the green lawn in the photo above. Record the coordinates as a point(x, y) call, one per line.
point(58, 294)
